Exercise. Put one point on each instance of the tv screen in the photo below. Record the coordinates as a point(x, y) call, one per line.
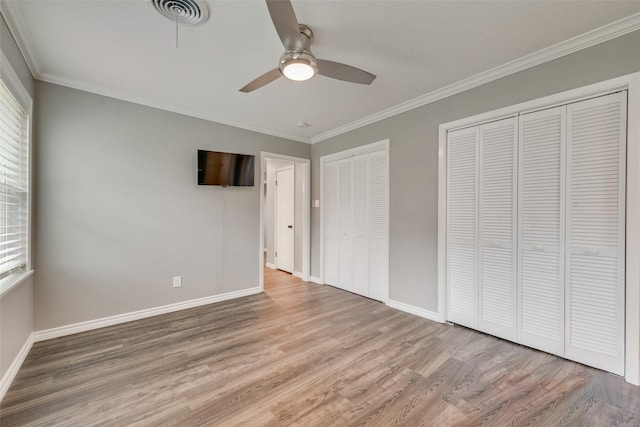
point(225, 169)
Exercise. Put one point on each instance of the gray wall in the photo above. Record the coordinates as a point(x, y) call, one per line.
point(413, 162)
point(16, 306)
point(120, 212)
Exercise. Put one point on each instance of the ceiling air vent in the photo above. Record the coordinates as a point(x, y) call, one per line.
point(186, 12)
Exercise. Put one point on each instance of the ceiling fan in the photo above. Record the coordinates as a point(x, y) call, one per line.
point(297, 62)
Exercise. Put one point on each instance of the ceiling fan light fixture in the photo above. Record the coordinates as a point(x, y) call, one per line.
point(298, 66)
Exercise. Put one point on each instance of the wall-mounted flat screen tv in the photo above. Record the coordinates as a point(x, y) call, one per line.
point(225, 169)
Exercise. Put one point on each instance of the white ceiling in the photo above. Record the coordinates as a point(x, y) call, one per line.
point(126, 49)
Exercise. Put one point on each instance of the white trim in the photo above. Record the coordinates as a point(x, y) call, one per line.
point(629, 82)
point(20, 32)
point(306, 212)
point(632, 321)
point(297, 274)
point(75, 328)
point(599, 35)
point(11, 373)
point(13, 281)
point(270, 265)
point(417, 311)
point(316, 280)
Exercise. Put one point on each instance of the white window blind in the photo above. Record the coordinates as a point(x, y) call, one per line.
point(14, 182)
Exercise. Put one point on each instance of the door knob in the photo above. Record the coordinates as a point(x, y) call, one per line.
point(289, 226)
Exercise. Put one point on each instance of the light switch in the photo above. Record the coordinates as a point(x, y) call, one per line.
point(316, 203)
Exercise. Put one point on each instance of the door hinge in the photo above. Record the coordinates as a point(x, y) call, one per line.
point(276, 183)
point(276, 254)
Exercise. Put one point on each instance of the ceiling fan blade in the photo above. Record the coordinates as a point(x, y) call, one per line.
point(339, 71)
point(264, 79)
point(286, 23)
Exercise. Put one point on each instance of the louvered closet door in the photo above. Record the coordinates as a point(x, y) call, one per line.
point(497, 228)
point(462, 227)
point(596, 140)
point(541, 229)
point(361, 225)
point(345, 262)
point(378, 226)
point(332, 224)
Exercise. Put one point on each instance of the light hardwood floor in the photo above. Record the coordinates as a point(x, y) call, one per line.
point(308, 355)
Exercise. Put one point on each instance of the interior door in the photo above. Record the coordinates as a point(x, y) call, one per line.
point(596, 137)
point(497, 228)
point(462, 227)
point(541, 196)
point(285, 206)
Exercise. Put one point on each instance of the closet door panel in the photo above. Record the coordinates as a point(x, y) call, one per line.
point(361, 225)
point(595, 232)
point(378, 225)
point(497, 227)
point(541, 188)
point(331, 225)
point(345, 220)
point(462, 227)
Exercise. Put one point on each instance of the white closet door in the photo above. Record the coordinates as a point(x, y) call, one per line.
point(462, 227)
point(345, 280)
point(378, 226)
point(596, 138)
point(541, 229)
point(497, 228)
point(332, 224)
point(361, 225)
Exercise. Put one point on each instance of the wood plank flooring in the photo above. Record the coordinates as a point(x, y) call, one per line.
point(305, 355)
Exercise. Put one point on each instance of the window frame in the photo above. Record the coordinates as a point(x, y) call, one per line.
point(17, 89)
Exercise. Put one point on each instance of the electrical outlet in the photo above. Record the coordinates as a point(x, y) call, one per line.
point(177, 281)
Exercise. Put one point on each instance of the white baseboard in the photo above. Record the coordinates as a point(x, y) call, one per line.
point(316, 280)
point(11, 373)
point(427, 314)
point(270, 265)
point(297, 274)
point(61, 331)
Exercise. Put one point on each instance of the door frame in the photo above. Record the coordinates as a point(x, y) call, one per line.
point(363, 149)
point(305, 164)
point(275, 218)
point(631, 83)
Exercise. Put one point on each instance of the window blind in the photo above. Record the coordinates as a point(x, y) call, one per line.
point(14, 183)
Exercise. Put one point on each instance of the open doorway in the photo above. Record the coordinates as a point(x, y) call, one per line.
point(284, 218)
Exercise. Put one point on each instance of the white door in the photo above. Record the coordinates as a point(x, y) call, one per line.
point(596, 138)
point(284, 235)
point(378, 226)
point(361, 225)
point(332, 224)
point(345, 221)
point(462, 227)
point(541, 198)
point(497, 228)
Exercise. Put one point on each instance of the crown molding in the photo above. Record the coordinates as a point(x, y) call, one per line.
point(20, 32)
point(599, 35)
point(166, 106)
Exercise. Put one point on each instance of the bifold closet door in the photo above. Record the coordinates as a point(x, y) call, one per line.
point(595, 268)
point(345, 221)
point(378, 225)
point(497, 228)
point(361, 225)
point(541, 198)
point(332, 224)
point(462, 227)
